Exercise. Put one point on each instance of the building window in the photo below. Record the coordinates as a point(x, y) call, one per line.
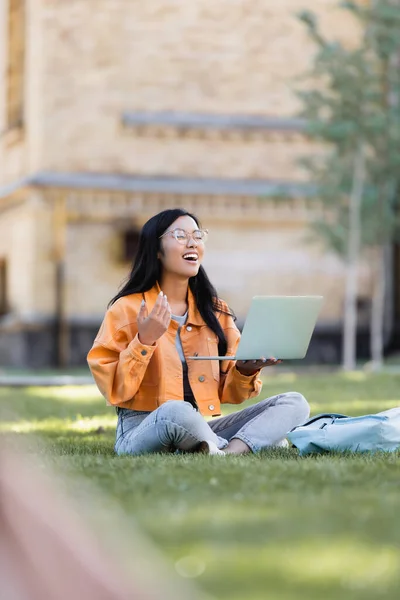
point(397, 282)
point(15, 63)
point(130, 244)
point(3, 287)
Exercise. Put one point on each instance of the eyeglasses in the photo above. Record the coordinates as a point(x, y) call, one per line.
point(182, 236)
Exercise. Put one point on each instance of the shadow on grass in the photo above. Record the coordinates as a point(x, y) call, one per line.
point(42, 403)
point(69, 443)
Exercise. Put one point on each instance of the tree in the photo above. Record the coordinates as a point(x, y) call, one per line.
point(353, 108)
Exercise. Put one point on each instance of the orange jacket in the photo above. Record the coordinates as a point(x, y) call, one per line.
point(132, 375)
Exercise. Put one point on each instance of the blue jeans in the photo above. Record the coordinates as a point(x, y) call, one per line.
point(176, 425)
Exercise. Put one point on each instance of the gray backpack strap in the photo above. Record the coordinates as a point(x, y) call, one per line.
point(325, 417)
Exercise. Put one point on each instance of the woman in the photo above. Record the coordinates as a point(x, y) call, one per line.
point(167, 311)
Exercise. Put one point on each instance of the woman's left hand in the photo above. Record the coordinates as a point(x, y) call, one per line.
point(250, 367)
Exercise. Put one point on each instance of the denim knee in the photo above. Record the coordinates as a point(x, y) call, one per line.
point(300, 404)
point(176, 410)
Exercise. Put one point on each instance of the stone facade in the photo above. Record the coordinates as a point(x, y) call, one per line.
point(88, 61)
point(115, 100)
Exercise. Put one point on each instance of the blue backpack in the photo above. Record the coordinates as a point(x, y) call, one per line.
point(332, 431)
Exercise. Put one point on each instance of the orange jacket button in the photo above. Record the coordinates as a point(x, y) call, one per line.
point(202, 378)
point(188, 328)
point(211, 407)
point(143, 352)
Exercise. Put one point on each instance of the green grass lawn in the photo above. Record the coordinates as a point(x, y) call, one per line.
point(267, 526)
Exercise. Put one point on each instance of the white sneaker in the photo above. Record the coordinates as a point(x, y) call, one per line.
point(282, 444)
point(208, 447)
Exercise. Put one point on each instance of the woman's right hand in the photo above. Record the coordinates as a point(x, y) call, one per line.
point(152, 326)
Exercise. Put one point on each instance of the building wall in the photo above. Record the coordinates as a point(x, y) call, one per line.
point(17, 247)
point(88, 61)
point(245, 256)
point(94, 271)
point(251, 253)
point(26, 242)
point(21, 147)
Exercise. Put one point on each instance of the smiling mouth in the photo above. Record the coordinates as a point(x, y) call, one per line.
point(191, 257)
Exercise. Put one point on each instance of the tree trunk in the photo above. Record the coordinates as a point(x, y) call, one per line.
point(378, 310)
point(61, 324)
point(353, 253)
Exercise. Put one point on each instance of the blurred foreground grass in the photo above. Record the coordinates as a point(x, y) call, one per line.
point(251, 527)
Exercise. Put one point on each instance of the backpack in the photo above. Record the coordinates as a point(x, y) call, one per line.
point(332, 431)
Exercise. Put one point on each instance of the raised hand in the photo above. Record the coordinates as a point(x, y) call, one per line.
point(152, 326)
point(249, 367)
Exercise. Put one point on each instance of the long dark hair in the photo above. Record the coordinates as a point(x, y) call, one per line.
point(146, 271)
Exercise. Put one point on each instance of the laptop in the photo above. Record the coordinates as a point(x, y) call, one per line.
point(276, 326)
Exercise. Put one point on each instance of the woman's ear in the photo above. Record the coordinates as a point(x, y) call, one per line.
point(160, 253)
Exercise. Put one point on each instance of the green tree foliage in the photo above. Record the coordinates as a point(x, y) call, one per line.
point(352, 105)
point(355, 98)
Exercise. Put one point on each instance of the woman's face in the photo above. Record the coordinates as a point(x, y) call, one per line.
point(183, 259)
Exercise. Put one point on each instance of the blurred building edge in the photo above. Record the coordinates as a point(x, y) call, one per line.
point(47, 551)
point(109, 115)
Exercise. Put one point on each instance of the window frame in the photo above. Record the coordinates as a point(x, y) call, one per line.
point(4, 305)
point(15, 65)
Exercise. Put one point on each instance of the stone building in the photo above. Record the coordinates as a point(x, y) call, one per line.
point(113, 111)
